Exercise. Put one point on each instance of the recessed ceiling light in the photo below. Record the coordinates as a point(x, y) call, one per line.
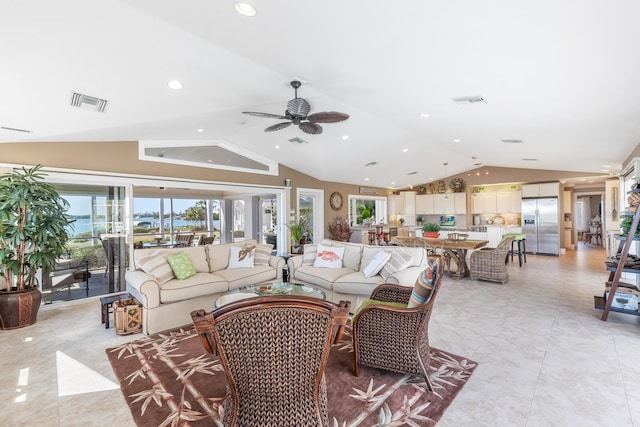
point(404, 150)
point(456, 140)
point(200, 130)
point(345, 137)
point(393, 183)
point(606, 166)
point(174, 84)
point(277, 146)
point(424, 115)
point(366, 179)
point(244, 9)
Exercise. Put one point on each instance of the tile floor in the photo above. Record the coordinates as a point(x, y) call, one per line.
point(545, 358)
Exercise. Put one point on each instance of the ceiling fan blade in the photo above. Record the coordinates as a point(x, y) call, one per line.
point(327, 117)
point(266, 115)
point(298, 107)
point(278, 126)
point(311, 128)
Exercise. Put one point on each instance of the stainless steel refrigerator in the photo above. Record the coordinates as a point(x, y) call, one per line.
point(541, 224)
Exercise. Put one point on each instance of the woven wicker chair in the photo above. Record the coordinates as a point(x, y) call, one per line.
point(274, 351)
point(395, 338)
point(489, 264)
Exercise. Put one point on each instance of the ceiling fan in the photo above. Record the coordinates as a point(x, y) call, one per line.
point(297, 113)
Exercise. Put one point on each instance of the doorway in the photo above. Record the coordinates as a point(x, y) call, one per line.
point(310, 204)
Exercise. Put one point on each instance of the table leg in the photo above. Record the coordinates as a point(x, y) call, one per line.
point(460, 257)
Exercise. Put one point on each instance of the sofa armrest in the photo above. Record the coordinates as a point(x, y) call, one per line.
point(294, 262)
point(278, 263)
point(406, 277)
point(144, 287)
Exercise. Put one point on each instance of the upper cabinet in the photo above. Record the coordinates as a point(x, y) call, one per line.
point(424, 204)
point(547, 189)
point(508, 202)
point(402, 204)
point(485, 202)
point(450, 203)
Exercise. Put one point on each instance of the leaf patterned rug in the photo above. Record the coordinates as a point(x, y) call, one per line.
point(169, 380)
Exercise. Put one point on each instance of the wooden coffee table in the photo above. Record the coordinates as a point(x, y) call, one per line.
point(270, 289)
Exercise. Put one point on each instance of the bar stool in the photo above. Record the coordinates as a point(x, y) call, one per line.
point(518, 239)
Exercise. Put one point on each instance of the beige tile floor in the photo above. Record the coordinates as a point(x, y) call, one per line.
point(545, 358)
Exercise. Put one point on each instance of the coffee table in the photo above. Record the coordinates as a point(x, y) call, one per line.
point(270, 289)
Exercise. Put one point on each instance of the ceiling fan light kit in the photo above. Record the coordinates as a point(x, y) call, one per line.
point(297, 113)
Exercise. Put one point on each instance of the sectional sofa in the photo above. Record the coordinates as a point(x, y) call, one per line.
point(167, 301)
point(349, 282)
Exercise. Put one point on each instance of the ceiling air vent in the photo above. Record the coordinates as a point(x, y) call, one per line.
point(297, 140)
point(412, 173)
point(469, 99)
point(87, 102)
point(371, 163)
point(512, 141)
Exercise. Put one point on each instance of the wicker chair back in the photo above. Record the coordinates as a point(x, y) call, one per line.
point(274, 351)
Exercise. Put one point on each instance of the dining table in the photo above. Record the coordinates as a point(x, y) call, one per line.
point(455, 249)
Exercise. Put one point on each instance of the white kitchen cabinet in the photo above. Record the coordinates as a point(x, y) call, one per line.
point(567, 201)
point(443, 204)
point(508, 202)
point(460, 203)
point(409, 202)
point(495, 233)
point(393, 204)
point(546, 189)
point(424, 204)
point(485, 203)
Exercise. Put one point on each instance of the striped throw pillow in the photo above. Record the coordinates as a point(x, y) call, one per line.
point(423, 288)
point(399, 261)
point(156, 265)
point(262, 254)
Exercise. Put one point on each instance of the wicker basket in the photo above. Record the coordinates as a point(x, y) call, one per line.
point(127, 316)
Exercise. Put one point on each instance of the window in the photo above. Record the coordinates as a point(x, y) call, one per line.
point(367, 210)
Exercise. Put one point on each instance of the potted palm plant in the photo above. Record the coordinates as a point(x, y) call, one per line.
point(32, 236)
point(297, 231)
point(430, 229)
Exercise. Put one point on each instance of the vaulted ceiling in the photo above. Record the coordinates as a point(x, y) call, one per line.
point(558, 80)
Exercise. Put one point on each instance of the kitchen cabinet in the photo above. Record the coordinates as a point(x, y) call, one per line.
point(485, 203)
point(460, 203)
point(495, 233)
point(424, 204)
point(508, 202)
point(546, 189)
point(402, 204)
point(443, 204)
point(567, 201)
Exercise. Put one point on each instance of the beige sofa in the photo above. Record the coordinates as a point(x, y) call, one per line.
point(168, 305)
point(349, 282)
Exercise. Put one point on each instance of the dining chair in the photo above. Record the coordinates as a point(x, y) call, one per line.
point(274, 351)
point(391, 328)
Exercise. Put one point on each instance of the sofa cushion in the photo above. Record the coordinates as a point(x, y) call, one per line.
point(237, 278)
point(329, 257)
point(262, 254)
point(355, 283)
point(424, 285)
point(309, 255)
point(200, 284)
point(400, 260)
point(352, 253)
point(181, 266)
point(155, 263)
point(219, 254)
point(197, 255)
point(323, 277)
point(375, 265)
point(241, 257)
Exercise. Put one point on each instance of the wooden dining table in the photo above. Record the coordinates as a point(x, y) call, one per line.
point(455, 249)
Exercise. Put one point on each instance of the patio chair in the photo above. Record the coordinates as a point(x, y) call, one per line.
point(274, 351)
point(389, 335)
point(490, 263)
point(206, 240)
point(182, 240)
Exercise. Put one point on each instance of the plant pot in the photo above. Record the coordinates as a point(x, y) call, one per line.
point(431, 234)
point(19, 308)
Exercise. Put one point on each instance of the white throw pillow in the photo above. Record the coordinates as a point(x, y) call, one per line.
point(399, 261)
point(377, 262)
point(241, 256)
point(329, 257)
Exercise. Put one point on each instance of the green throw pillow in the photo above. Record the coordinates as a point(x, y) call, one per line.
point(368, 302)
point(181, 265)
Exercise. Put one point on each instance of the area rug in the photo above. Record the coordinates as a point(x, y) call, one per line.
point(169, 380)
